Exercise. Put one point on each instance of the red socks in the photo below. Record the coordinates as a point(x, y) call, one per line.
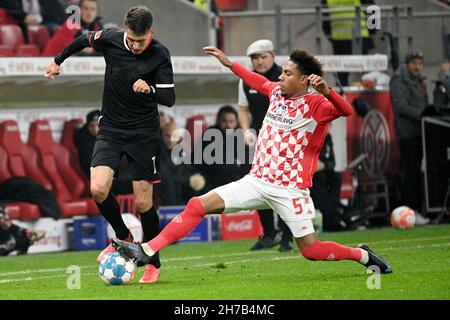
point(180, 226)
point(330, 251)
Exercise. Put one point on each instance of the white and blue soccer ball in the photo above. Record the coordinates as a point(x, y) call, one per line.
point(116, 270)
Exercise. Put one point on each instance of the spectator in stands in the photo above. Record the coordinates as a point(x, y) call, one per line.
point(222, 170)
point(252, 110)
point(90, 21)
point(15, 238)
point(326, 190)
point(441, 92)
point(25, 12)
point(179, 182)
point(85, 140)
point(340, 33)
point(53, 14)
point(409, 99)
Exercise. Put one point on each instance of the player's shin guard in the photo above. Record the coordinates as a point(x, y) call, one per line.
point(110, 209)
point(330, 251)
point(180, 226)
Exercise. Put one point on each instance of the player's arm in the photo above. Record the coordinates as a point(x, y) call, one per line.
point(77, 45)
point(245, 117)
point(85, 40)
point(163, 92)
point(342, 107)
point(253, 79)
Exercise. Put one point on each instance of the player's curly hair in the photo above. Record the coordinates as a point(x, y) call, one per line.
point(306, 62)
point(139, 19)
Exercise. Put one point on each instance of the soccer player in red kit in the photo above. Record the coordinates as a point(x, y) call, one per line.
point(288, 146)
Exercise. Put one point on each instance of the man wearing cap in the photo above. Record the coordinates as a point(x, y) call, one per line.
point(252, 110)
point(409, 99)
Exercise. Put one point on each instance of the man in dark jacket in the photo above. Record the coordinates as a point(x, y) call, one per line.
point(409, 99)
point(85, 140)
point(89, 21)
point(326, 190)
point(224, 169)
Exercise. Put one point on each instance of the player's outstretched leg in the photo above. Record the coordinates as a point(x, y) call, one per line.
point(314, 249)
point(178, 228)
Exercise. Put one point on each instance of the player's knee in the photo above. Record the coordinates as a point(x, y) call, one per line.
point(195, 206)
point(312, 252)
point(142, 204)
point(99, 193)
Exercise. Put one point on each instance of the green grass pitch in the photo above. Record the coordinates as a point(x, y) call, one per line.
point(228, 271)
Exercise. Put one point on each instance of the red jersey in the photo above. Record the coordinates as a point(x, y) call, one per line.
point(292, 133)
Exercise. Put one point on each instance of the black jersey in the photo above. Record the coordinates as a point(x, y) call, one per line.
point(122, 108)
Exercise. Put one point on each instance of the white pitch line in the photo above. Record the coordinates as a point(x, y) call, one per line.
point(215, 256)
point(211, 264)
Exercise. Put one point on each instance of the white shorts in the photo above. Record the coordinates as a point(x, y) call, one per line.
point(294, 206)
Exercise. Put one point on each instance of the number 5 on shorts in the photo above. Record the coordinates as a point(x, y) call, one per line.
point(298, 208)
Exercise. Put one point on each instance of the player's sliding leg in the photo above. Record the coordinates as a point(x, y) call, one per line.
point(314, 249)
point(143, 191)
point(101, 181)
point(177, 229)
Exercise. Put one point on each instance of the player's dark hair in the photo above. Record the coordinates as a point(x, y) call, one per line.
point(139, 19)
point(306, 62)
point(226, 109)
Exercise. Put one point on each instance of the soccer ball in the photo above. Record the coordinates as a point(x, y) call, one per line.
point(403, 218)
point(116, 270)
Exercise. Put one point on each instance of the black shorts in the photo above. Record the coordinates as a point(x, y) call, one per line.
point(142, 151)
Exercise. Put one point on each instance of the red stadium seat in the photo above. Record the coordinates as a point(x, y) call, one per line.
point(4, 171)
point(22, 159)
point(68, 140)
point(3, 16)
point(55, 161)
point(27, 211)
point(27, 50)
point(38, 35)
point(11, 35)
point(16, 210)
point(6, 51)
point(196, 132)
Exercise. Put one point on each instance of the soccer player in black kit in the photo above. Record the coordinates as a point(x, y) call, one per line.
point(138, 76)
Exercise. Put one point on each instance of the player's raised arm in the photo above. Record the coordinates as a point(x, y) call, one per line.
point(321, 86)
point(253, 79)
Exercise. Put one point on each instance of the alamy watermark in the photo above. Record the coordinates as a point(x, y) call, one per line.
point(212, 146)
point(74, 19)
point(74, 279)
point(374, 280)
point(374, 17)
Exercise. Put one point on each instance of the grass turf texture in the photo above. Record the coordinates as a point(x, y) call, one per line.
point(228, 270)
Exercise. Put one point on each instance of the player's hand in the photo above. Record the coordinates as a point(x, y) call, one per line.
point(319, 84)
point(250, 137)
point(217, 53)
point(52, 70)
point(141, 86)
point(320, 166)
